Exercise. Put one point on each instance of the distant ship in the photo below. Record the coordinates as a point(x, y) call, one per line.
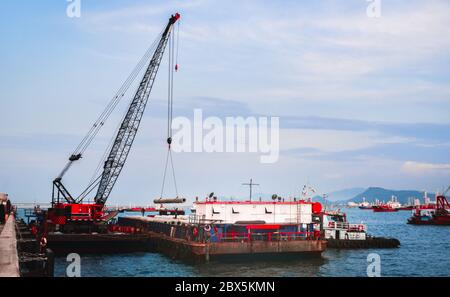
point(391, 206)
point(384, 208)
point(364, 205)
point(429, 215)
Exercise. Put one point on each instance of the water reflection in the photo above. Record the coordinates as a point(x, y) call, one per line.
point(298, 266)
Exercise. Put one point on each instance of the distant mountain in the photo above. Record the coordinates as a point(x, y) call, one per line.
point(353, 194)
point(373, 193)
point(320, 199)
point(345, 194)
point(341, 195)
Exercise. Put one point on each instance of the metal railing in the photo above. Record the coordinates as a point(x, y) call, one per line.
point(345, 226)
point(270, 236)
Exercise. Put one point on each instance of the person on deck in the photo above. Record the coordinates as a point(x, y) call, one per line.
point(2, 213)
point(8, 208)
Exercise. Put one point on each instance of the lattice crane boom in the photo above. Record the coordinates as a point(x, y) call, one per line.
point(130, 125)
point(125, 135)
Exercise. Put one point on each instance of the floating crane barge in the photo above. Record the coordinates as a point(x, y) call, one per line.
point(71, 221)
point(217, 228)
point(226, 229)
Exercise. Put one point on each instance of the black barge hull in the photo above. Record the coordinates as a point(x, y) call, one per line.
point(98, 243)
point(369, 243)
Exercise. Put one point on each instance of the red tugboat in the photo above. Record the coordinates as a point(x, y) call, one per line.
point(438, 216)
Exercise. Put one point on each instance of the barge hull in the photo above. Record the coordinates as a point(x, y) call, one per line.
point(375, 242)
point(97, 243)
point(182, 249)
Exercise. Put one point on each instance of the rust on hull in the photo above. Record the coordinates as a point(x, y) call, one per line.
point(204, 251)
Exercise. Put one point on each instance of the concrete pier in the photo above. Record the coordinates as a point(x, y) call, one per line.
point(9, 259)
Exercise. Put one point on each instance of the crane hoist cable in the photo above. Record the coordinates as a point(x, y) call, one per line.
point(95, 179)
point(172, 67)
point(116, 99)
point(101, 120)
point(99, 123)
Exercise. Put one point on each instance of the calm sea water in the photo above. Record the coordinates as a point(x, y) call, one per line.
point(424, 251)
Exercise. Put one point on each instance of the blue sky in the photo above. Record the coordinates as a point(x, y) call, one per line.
point(362, 101)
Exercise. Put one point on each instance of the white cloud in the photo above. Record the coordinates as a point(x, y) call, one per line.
point(134, 18)
point(327, 56)
point(419, 168)
point(333, 140)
